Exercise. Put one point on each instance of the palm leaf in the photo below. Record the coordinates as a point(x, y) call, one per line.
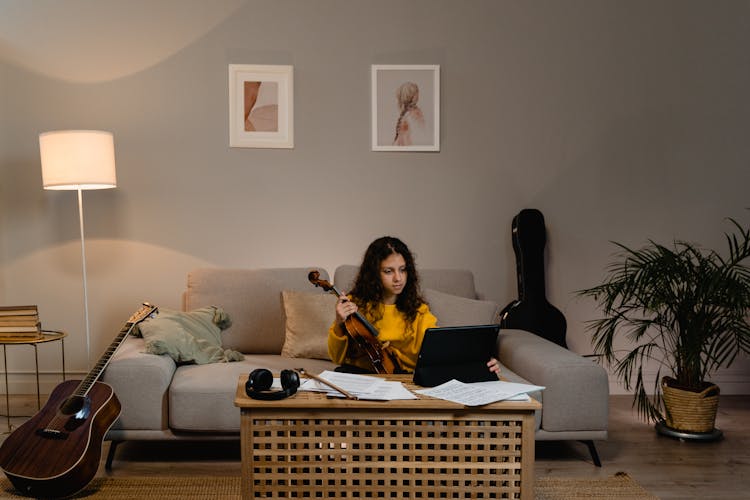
point(681, 306)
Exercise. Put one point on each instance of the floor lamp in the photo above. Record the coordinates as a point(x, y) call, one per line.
point(78, 160)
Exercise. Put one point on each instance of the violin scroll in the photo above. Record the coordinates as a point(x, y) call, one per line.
point(314, 278)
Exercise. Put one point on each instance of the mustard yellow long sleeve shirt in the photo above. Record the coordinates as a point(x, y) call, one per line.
point(391, 328)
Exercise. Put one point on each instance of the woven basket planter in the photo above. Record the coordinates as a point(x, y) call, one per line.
point(690, 411)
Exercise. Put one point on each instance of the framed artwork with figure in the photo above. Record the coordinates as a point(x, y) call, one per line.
point(261, 111)
point(405, 107)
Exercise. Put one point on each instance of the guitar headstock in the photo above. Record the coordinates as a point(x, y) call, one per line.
point(314, 278)
point(144, 312)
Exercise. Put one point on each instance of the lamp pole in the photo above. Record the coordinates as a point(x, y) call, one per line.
point(85, 287)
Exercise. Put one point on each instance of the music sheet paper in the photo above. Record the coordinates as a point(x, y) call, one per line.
point(362, 386)
point(480, 393)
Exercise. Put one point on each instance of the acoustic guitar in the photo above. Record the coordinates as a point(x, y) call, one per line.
point(56, 452)
point(532, 311)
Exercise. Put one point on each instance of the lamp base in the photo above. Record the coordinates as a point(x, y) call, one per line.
point(664, 430)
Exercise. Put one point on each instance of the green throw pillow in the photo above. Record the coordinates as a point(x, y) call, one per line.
point(188, 337)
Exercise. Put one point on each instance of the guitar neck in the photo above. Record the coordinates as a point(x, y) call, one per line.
point(85, 386)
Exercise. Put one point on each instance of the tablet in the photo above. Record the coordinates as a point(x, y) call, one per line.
point(456, 352)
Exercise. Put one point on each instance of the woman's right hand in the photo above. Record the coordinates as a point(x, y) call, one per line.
point(344, 308)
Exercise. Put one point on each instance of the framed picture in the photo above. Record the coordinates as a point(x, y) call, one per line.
point(405, 107)
point(261, 106)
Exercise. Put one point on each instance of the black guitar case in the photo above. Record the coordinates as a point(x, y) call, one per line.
point(531, 311)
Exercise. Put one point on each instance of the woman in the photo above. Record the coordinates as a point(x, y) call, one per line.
point(386, 293)
point(410, 125)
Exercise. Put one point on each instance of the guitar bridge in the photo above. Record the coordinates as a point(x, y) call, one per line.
point(52, 434)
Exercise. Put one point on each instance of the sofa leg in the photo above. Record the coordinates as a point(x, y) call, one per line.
point(111, 454)
point(592, 450)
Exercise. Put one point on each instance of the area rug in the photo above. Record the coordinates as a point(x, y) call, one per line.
point(619, 486)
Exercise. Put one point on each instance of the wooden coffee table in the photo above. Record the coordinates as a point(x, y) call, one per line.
point(313, 446)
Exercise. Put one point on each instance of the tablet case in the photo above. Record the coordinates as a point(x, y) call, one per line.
point(457, 352)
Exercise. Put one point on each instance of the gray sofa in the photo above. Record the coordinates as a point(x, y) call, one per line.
point(162, 400)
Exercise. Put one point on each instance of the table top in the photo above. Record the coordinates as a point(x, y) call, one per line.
point(47, 336)
point(308, 399)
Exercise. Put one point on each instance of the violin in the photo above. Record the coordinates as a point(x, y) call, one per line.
point(382, 359)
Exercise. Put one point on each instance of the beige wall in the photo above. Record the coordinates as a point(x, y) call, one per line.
point(618, 120)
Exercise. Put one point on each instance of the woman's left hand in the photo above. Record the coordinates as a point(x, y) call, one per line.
point(494, 366)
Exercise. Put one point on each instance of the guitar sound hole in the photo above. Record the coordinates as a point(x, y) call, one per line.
point(72, 405)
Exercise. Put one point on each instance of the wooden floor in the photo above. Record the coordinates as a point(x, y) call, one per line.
point(666, 467)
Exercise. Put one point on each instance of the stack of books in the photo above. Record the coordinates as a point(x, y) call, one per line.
point(20, 323)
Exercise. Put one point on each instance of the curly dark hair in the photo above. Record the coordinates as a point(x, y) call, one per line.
point(368, 287)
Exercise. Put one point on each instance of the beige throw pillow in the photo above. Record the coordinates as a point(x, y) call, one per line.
point(451, 310)
point(309, 315)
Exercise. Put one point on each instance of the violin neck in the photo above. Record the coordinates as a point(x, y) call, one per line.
point(335, 291)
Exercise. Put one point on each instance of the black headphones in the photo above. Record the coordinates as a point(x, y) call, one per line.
point(260, 381)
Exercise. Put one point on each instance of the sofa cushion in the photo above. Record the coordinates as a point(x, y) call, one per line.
point(193, 336)
point(201, 397)
point(252, 298)
point(309, 315)
point(451, 310)
point(453, 281)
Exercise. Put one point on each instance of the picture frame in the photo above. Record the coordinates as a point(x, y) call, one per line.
point(405, 107)
point(261, 106)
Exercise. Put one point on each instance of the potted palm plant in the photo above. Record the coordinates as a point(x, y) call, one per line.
point(681, 308)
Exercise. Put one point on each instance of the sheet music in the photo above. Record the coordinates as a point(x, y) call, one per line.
point(479, 393)
point(361, 386)
point(385, 391)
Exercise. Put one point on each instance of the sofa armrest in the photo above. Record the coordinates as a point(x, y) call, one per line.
point(577, 389)
point(141, 382)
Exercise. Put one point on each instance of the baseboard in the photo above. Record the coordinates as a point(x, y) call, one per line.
point(24, 382)
point(731, 381)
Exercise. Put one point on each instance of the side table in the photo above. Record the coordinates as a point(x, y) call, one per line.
point(47, 336)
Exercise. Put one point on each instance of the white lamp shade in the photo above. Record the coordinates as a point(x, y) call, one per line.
point(78, 159)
